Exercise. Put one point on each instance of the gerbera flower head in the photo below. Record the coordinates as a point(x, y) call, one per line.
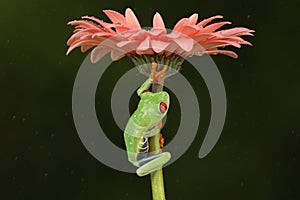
point(124, 36)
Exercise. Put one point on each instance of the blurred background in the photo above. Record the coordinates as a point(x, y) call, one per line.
point(42, 157)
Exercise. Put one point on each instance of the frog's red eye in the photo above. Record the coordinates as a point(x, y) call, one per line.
point(163, 107)
point(146, 91)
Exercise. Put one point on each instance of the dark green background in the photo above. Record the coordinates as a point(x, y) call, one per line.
point(42, 157)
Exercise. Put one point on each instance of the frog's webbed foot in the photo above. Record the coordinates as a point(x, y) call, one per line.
point(151, 163)
point(157, 76)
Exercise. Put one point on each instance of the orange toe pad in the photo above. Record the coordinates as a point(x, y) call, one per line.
point(161, 141)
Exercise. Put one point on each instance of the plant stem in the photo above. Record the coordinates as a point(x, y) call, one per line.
point(157, 180)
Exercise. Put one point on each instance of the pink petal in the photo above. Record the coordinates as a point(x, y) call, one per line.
point(144, 45)
point(174, 35)
point(156, 31)
point(202, 36)
point(84, 32)
point(124, 43)
point(107, 26)
point(238, 31)
point(75, 37)
point(130, 46)
point(131, 20)
point(189, 30)
point(206, 21)
point(81, 42)
point(180, 24)
point(215, 26)
point(171, 48)
point(158, 21)
point(193, 19)
point(83, 24)
point(139, 35)
point(111, 43)
point(197, 50)
point(146, 52)
point(116, 55)
point(121, 28)
point(129, 33)
point(101, 35)
point(237, 40)
point(168, 53)
point(98, 53)
point(219, 43)
point(225, 52)
point(115, 17)
point(158, 46)
point(84, 48)
point(185, 43)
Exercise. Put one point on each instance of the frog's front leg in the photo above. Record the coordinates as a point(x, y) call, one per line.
point(152, 131)
point(155, 77)
point(145, 86)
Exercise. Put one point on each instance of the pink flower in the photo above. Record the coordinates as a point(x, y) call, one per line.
point(124, 36)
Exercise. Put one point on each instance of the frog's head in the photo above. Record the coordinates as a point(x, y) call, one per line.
point(155, 105)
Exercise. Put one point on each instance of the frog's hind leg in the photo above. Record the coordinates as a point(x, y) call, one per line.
point(138, 155)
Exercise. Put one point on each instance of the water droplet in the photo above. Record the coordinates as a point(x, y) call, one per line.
point(13, 117)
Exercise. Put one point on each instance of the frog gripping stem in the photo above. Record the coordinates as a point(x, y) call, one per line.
point(146, 122)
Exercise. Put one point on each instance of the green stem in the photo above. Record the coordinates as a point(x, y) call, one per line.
point(173, 61)
point(157, 179)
